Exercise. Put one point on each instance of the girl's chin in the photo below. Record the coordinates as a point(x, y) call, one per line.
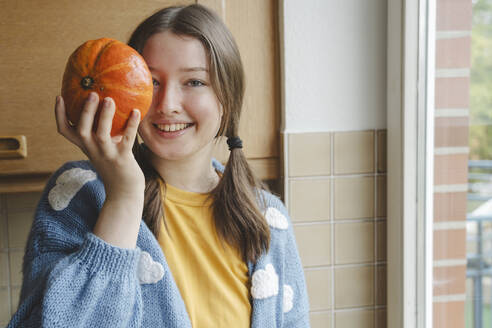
point(169, 155)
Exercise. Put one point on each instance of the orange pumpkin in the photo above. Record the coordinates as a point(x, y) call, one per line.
point(111, 69)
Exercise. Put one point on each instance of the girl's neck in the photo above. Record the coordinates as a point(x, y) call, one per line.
point(195, 174)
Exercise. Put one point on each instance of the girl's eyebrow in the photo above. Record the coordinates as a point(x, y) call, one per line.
point(193, 69)
point(185, 69)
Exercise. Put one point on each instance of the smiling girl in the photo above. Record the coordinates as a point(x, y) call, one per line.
point(156, 233)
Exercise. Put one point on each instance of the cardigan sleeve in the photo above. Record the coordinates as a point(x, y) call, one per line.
point(295, 304)
point(72, 278)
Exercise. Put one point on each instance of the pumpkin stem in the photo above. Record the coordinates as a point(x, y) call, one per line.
point(87, 82)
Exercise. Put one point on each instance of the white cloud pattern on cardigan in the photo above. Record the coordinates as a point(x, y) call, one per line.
point(149, 271)
point(288, 298)
point(67, 185)
point(264, 282)
point(275, 219)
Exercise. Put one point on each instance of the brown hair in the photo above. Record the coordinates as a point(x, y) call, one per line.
point(237, 197)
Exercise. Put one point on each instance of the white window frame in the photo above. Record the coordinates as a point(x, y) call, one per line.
point(410, 122)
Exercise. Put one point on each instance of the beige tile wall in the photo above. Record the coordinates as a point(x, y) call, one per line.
point(16, 214)
point(336, 195)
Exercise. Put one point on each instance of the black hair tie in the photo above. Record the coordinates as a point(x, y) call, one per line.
point(234, 142)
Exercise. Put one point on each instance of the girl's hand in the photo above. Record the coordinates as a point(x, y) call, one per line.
point(111, 156)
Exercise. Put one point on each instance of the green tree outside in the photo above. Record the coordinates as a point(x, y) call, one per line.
point(481, 82)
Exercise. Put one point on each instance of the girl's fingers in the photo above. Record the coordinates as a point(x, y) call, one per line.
point(83, 136)
point(131, 130)
point(63, 126)
point(105, 122)
point(84, 126)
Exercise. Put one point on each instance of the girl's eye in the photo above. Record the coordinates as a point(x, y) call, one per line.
point(195, 83)
point(155, 83)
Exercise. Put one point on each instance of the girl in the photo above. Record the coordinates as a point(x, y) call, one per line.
point(214, 249)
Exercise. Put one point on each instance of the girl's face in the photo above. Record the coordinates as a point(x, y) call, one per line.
point(185, 114)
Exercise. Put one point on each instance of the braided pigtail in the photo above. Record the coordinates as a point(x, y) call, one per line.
point(238, 218)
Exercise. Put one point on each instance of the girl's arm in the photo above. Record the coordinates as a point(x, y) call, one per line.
point(294, 291)
point(112, 157)
point(71, 277)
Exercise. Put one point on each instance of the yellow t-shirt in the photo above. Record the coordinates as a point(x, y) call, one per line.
point(211, 276)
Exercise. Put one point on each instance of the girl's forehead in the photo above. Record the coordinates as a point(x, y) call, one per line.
point(180, 51)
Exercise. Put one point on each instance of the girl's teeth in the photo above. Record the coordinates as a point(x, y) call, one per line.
point(172, 127)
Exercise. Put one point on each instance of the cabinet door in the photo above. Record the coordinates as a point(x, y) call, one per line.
point(254, 24)
point(39, 36)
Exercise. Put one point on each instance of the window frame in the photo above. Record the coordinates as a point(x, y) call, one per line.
point(410, 123)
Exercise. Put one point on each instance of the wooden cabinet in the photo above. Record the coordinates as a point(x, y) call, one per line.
point(254, 24)
point(38, 36)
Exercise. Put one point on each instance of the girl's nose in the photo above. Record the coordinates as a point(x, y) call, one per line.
point(169, 99)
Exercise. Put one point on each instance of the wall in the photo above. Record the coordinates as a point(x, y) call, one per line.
point(452, 102)
point(334, 67)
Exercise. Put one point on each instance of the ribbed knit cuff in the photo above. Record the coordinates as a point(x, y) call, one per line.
point(99, 256)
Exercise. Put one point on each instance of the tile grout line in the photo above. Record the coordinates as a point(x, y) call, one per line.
point(375, 231)
point(332, 227)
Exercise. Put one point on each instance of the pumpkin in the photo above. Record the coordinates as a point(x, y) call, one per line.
point(111, 69)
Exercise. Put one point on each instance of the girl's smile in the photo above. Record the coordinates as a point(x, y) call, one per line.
point(172, 130)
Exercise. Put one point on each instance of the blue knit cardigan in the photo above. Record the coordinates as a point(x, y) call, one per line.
point(72, 278)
